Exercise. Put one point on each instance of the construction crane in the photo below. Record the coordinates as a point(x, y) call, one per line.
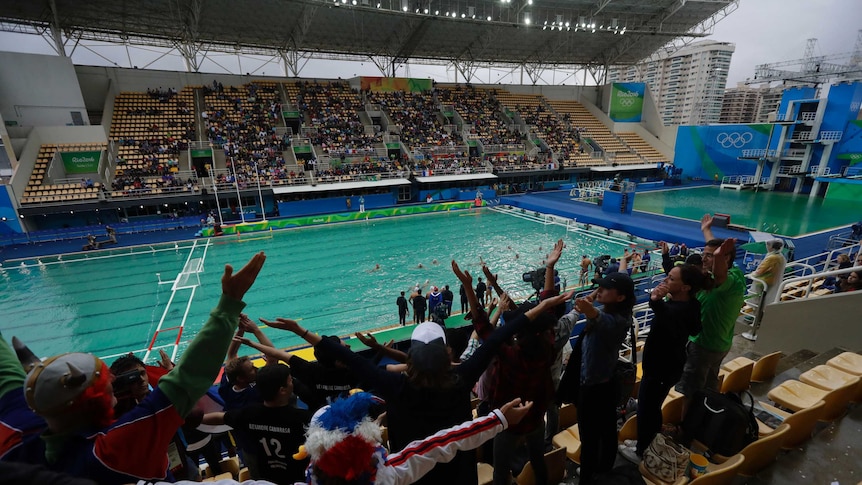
point(813, 69)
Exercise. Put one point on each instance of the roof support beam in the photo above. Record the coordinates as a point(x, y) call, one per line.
point(600, 5)
point(466, 68)
point(188, 12)
point(56, 31)
point(294, 61)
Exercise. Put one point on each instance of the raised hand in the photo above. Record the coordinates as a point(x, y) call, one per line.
point(246, 324)
point(706, 222)
point(727, 247)
point(664, 248)
point(514, 411)
point(582, 305)
point(659, 291)
point(282, 324)
point(505, 302)
point(463, 276)
point(491, 277)
point(236, 285)
point(164, 360)
point(548, 303)
point(244, 341)
point(368, 340)
point(556, 252)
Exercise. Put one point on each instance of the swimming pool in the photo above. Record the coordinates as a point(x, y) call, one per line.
point(112, 301)
point(776, 212)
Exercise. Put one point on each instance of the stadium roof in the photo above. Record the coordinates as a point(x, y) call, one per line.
point(520, 32)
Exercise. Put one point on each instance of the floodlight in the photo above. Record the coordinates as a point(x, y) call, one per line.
point(526, 19)
point(489, 18)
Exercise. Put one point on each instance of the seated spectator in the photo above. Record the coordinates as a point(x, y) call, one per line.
point(853, 282)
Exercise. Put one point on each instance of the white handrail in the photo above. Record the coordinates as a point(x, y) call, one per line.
point(817, 261)
point(810, 280)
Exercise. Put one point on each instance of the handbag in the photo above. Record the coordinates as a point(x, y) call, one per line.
point(665, 459)
point(570, 384)
point(721, 422)
point(626, 373)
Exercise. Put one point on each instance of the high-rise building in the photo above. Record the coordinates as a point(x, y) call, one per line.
point(740, 104)
point(688, 85)
point(747, 104)
point(770, 99)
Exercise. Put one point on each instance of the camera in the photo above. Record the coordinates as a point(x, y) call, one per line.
point(537, 278)
point(125, 382)
point(602, 262)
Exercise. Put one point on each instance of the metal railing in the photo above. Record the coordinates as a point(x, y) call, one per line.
point(803, 135)
point(507, 148)
point(822, 261)
point(818, 171)
point(831, 135)
point(362, 177)
point(758, 153)
point(808, 116)
point(791, 170)
point(804, 286)
point(452, 171)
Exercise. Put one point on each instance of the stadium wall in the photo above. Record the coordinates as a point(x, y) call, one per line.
point(39, 91)
point(705, 151)
point(9, 223)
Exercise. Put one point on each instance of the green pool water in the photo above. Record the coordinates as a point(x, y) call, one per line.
point(112, 302)
point(775, 212)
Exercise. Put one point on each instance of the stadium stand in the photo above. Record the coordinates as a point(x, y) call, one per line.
point(592, 128)
point(38, 192)
point(417, 116)
point(479, 107)
point(151, 129)
point(642, 148)
point(331, 118)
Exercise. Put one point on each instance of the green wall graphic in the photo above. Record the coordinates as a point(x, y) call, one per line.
point(81, 162)
point(627, 102)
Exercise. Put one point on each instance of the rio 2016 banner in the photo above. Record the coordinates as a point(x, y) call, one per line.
point(81, 162)
point(627, 102)
point(389, 84)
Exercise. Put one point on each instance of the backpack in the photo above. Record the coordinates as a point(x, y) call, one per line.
point(720, 422)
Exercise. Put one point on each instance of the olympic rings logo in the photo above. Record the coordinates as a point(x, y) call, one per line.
point(735, 139)
point(627, 102)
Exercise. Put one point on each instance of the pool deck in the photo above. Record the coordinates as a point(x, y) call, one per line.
point(649, 225)
point(642, 224)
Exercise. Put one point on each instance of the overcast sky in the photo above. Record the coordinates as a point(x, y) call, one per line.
point(763, 31)
point(776, 30)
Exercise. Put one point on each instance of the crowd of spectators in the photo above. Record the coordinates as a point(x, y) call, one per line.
point(332, 109)
point(366, 169)
point(152, 130)
point(417, 116)
point(140, 182)
point(447, 164)
point(242, 121)
point(479, 108)
point(508, 162)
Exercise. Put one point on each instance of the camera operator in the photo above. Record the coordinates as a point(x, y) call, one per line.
point(131, 385)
